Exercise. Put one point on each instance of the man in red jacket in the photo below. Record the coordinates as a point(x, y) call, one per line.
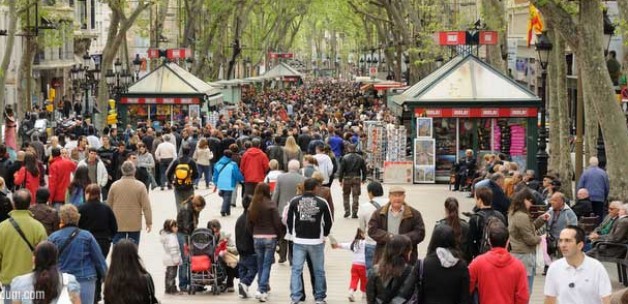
point(59, 177)
point(254, 165)
point(511, 285)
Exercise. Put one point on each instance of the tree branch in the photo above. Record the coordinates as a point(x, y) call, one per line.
point(562, 20)
point(371, 16)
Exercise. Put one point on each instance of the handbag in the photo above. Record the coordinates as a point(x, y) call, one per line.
point(417, 295)
point(64, 296)
point(151, 289)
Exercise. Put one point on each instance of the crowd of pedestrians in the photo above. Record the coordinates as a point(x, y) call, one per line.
point(67, 200)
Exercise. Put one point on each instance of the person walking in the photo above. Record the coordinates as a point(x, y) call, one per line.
point(396, 217)
point(129, 200)
point(458, 225)
point(352, 174)
point(309, 222)
point(595, 180)
point(128, 281)
point(556, 219)
point(226, 176)
point(325, 164)
point(393, 273)
point(375, 193)
point(445, 274)
point(79, 253)
point(99, 220)
point(478, 240)
point(576, 278)
point(28, 177)
point(510, 286)
point(285, 190)
point(165, 153)
point(146, 163)
point(46, 280)
point(182, 173)
point(265, 225)
point(203, 157)
point(45, 214)
point(60, 172)
point(254, 166)
point(18, 237)
point(522, 231)
point(75, 194)
point(96, 168)
point(247, 265)
point(358, 267)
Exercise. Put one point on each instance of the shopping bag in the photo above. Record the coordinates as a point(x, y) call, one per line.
point(546, 257)
point(540, 257)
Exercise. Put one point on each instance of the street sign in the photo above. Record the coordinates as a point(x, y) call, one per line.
point(373, 71)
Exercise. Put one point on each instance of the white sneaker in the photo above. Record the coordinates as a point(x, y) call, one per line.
point(258, 295)
point(351, 296)
point(263, 297)
point(243, 291)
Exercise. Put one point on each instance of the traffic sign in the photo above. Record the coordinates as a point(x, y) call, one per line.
point(373, 71)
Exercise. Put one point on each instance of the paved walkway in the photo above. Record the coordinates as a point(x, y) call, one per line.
point(428, 199)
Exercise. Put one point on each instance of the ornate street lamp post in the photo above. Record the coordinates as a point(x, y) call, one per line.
point(543, 48)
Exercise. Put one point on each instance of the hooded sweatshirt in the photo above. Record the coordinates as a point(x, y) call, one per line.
point(254, 165)
point(510, 286)
point(445, 278)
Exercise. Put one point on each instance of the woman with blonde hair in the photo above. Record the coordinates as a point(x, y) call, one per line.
point(5, 203)
point(291, 151)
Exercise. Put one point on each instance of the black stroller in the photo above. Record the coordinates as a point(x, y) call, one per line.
point(205, 269)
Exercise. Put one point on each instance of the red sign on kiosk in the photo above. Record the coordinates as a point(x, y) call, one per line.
point(488, 37)
point(476, 112)
point(452, 38)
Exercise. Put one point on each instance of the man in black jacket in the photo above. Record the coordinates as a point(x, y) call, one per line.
point(464, 169)
point(478, 220)
point(309, 222)
point(351, 175)
point(247, 266)
point(182, 173)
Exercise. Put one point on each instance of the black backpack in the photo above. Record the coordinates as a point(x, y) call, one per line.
point(484, 219)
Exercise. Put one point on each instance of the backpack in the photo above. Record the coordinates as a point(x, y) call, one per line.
point(77, 197)
point(183, 174)
point(486, 220)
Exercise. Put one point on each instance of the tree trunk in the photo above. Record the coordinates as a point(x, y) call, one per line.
point(623, 15)
point(25, 79)
point(494, 14)
point(562, 105)
point(8, 51)
point(118, 27)
point(552, 104)
point(610, 115)
point(590, 117)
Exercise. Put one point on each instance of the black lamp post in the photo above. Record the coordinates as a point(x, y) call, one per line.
point(85, 79)
point(543, 48)
point(119, 79)
point(247, 67)
point(137, 64)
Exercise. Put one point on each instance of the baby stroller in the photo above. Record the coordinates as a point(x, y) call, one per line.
point(205, 269)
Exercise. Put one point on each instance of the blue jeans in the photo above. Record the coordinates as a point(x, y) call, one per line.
point(133, 236)
point(317, 254)
point(226, 201)
point(369, 253)
point(88, 290)
point(204, 170)
point(184, 268)
point(247, 268)
point(265, 251)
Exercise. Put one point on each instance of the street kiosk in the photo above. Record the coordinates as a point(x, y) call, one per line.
point(468, 104)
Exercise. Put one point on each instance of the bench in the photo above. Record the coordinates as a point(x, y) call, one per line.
point(622, 262)
point(588, 223)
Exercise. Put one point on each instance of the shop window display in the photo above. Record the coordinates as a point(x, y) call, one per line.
point(445, 136)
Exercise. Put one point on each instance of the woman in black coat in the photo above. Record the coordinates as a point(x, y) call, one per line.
point(445, 274)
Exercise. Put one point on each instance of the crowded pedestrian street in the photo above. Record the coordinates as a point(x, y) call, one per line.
point(426, 198)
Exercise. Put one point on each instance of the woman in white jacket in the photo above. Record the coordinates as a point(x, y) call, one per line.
point(172, 259)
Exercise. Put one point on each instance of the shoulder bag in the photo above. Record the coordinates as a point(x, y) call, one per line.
point(21, 233)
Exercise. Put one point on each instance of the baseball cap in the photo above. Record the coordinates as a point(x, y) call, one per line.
point(397, 189)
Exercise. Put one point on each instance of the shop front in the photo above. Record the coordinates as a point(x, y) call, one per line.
point(468, 105)
point(158, 110)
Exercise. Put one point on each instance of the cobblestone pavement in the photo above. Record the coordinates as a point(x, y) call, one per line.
point(428, 199)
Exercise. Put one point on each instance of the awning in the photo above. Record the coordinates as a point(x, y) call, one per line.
point(214, 100)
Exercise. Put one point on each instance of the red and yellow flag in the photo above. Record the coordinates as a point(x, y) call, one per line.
point(535, 23)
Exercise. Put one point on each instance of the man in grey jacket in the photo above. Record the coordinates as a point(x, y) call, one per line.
point(285, 190)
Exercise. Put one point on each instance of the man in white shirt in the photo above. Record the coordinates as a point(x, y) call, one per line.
point(376, 200)
point(576, 278)
point(165, 153)
point(325, 165)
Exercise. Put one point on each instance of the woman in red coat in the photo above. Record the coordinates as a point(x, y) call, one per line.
point(28, 176)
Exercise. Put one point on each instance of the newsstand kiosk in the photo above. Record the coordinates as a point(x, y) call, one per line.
point(468, 104)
